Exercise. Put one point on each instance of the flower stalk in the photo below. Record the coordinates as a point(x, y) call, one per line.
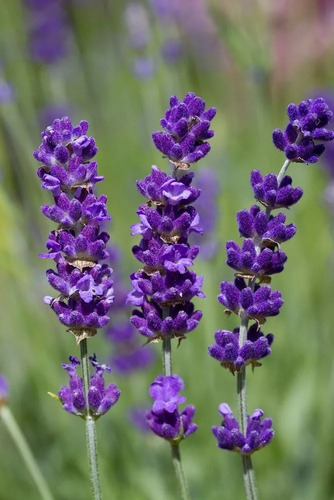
point(25, 452)
point(91, 439)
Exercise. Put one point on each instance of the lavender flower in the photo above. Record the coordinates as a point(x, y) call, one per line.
point(307, 122)
point(48, 30)
point(77, 245)
point(255, 260)
point(164, 419)
point(258, 435)
point(231, 356)
point(186, 126)
point(4, 390)
point(100, 398)
point(165, 282)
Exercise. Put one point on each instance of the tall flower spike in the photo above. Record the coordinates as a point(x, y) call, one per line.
point(259, 257)
point(186, 129)
point(77, 245)
point(164, 286)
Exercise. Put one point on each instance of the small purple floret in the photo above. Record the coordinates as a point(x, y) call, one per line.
point(258, 304)
point(186, 130)
point(231, 356)
point(307, 122)
point(258, 435)
point(100, 398)
point(269, 193)
point(164, 419)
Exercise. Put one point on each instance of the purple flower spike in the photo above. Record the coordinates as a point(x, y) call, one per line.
point(164, 286)
point(307, 122)
point(186, 128)
point(100, 398)
point(231, 356)
point(258, 435)
point(164, 419)
point(4, 390)
point(78, 244)
point(269, 193)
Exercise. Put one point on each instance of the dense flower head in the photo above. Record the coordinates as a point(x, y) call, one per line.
point(248, 261)
point(77, 244)
point(258, 435)
point(100, 397)
point(239, 298)
point(186, 130)
point(164, 419)
point(265, 232)
point(269, 193)
point(307, 122)
point(152, 322)
point(164, 287)
point(227, 351)
point(4, 390)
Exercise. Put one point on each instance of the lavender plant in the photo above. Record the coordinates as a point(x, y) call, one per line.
point(164, 287)
point(84, 285)
point(260, 256)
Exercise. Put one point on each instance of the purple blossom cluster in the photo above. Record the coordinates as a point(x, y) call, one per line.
point(100, 397)
point(186, 131)
point(307, 122)
point(255, 261)
point(260, 256)
point(47, 30)
point(227, 351)
point(77, 245)
point(164, 287)
point(258, 435)
point(165, 419)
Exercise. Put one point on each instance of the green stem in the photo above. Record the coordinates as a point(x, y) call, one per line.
point(91, 440)
point(249, 474)
point(179, 472)
point(167, 371)
point(26, 454)
point(167, 356)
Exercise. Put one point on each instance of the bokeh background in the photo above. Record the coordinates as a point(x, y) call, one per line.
point(116, 64)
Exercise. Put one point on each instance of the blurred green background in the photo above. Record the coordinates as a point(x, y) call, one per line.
point(116, 64)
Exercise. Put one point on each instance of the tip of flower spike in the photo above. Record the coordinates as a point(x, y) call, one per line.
point(307, 122)
point(186, 128)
